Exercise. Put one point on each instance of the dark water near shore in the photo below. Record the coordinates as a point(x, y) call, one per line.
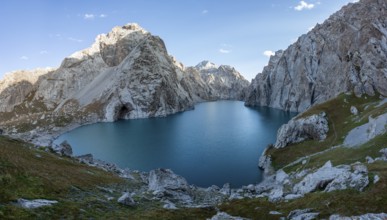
point(218, 142)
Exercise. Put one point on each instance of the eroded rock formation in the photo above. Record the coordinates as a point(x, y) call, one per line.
point(348, 52)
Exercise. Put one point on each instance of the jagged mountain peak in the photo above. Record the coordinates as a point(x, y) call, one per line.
point(206, 65)
point(114, 46)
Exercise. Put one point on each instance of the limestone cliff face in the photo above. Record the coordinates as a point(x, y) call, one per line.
point(348, 52)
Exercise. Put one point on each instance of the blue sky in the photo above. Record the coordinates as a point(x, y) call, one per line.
point(40, 33)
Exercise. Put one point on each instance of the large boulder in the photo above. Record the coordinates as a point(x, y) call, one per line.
point(167, 185)
point(313, 127)
point(225, 216)
point(126, 199)
point(166, 179)
point(63, 149)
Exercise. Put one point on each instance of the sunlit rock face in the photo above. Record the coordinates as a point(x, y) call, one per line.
point(125, 74)
point(347, 53)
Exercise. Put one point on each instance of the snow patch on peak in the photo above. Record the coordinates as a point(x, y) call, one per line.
point(206, 65)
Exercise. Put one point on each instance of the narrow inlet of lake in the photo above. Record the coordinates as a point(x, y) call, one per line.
point(218, 142)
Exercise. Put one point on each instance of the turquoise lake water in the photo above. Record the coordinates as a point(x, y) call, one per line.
point(216, 143)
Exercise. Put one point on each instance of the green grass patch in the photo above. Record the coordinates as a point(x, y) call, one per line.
point(340, 120)
point(343, 155)
point(31, 173)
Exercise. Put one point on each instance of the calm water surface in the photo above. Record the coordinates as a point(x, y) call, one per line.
point(218, 142)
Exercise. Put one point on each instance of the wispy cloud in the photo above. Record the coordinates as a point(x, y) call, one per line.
point(24, 58)
point(303, 5)
point(103, 15)
point(43, 52)
point(89, 16)
point(354, 1)
point(225, 51)
point(74, 39)
point(268, 53)
point(205, 11)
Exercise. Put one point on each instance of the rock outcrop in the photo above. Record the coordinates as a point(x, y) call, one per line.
point(364, 133)
point(345, 53)
point(329, 178)
point(313, 127)
point(35, 203)
point(63, 149)
point(225, 216)
point(126, 199)
point(360, 217)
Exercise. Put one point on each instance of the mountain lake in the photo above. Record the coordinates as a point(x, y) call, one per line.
point(216, 143)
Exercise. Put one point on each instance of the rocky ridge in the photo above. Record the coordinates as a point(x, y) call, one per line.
point(125, 74)
point(207, 82)
point(346, 53)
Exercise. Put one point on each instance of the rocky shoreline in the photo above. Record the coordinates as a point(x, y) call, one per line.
point(276, 186)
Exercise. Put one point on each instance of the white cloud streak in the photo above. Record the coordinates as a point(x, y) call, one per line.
point(268, 53)
point(225, 51)
point(103, 15)
point(89, 16)
point(303, 5)
point(24, 58)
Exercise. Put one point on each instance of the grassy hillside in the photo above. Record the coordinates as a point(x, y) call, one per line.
point(31, 173)
point(26, 172)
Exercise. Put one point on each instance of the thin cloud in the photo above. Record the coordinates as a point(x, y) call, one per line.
point(75, 40)
point(43, 52)
point(303, 5)
point(268, 53)
point(103, 15)
point(224, 51)
point(89, 16)
point(24, 58)
point(205, 12)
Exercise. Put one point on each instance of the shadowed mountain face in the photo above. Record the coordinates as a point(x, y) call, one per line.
point(207, 81)
point(348, 52)
point(125, 74)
